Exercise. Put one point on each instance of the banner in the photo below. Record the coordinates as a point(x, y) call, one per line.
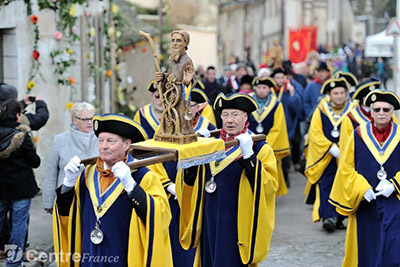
point(301, 42)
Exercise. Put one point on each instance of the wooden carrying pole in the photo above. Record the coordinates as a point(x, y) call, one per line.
point(156, 155)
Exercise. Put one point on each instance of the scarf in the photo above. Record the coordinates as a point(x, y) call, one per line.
point(381, 134)
point(225, 137)
point(319, 81)
point(106, 177)
point(262, 101)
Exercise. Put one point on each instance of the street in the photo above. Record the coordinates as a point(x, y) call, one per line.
point(297, 241)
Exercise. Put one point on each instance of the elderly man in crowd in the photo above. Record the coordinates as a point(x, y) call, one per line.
point(367, 186)
point(105, 211)
point(222, 202)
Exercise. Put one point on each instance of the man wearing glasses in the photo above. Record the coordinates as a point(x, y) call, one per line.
point(228, 206)
point(367, 186)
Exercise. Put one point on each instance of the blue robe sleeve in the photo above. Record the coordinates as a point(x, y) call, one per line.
point(307, 101)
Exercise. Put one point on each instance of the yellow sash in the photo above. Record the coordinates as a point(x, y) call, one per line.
point(358, 116)
point(231, 155)
point(279, 97)
point(202, 122)
point(102, 201)
point(148, 113)
point(347, 109)
point(262, 113)
point(373, 145)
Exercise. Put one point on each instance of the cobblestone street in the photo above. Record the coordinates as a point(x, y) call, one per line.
point(297, 241)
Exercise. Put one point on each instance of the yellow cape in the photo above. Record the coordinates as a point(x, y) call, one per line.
point(346, 195)
point(208, 113)
point(139, 232)
point(192, 212)
point(278, 139)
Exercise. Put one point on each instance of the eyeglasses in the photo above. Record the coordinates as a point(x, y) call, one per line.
point(234, 115)
point(84, 119)
point(386, 110)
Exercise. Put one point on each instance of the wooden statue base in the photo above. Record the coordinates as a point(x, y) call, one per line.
point(184, 139)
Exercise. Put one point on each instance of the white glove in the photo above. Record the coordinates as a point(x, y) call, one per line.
point(369, 195)
point(334, 150)
point(123, 173)
point(204, 132)
point(246, 144)
point(171, 189)
point(384, 188)
point(72, 171)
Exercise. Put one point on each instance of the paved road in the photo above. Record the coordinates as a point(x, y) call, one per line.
point(297, 241)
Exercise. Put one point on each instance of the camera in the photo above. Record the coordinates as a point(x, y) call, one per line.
point(32, 98)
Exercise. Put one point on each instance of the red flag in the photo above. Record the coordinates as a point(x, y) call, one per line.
point(298, 45)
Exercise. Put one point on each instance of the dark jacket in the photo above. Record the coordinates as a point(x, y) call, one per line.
point(17, 158)
point(38, 119)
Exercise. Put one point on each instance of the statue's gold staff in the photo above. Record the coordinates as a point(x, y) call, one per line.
point(150, 40)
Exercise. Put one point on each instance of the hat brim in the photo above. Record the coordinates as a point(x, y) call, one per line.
point(152, 86)
point(333, 83)
point(239, 101)
point(350, 78)
point(276, 71)
point(198, 96)
point(120, 125)
point(266, 80)
point(379, 95)
point(365, 89)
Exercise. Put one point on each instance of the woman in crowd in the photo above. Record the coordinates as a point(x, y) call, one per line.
point(17, 184)
point(80, 140)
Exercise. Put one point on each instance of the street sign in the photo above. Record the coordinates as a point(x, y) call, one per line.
point(393, 28)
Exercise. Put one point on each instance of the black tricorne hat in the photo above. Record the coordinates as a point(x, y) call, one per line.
point(278, 70)
point(322, 66)
point(152, 86)
point(379, 95)
point(350, 78)
point(119, 124)
point(265, 80)
point(235, 101)
point(198, 96)
point(333, 83)
point(246, 79)
point(365, 87)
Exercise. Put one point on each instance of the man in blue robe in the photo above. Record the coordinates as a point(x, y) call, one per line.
point(106, 215)
point(312, 93)
point(228, 206)
point(289, 92)
point(367, 186)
